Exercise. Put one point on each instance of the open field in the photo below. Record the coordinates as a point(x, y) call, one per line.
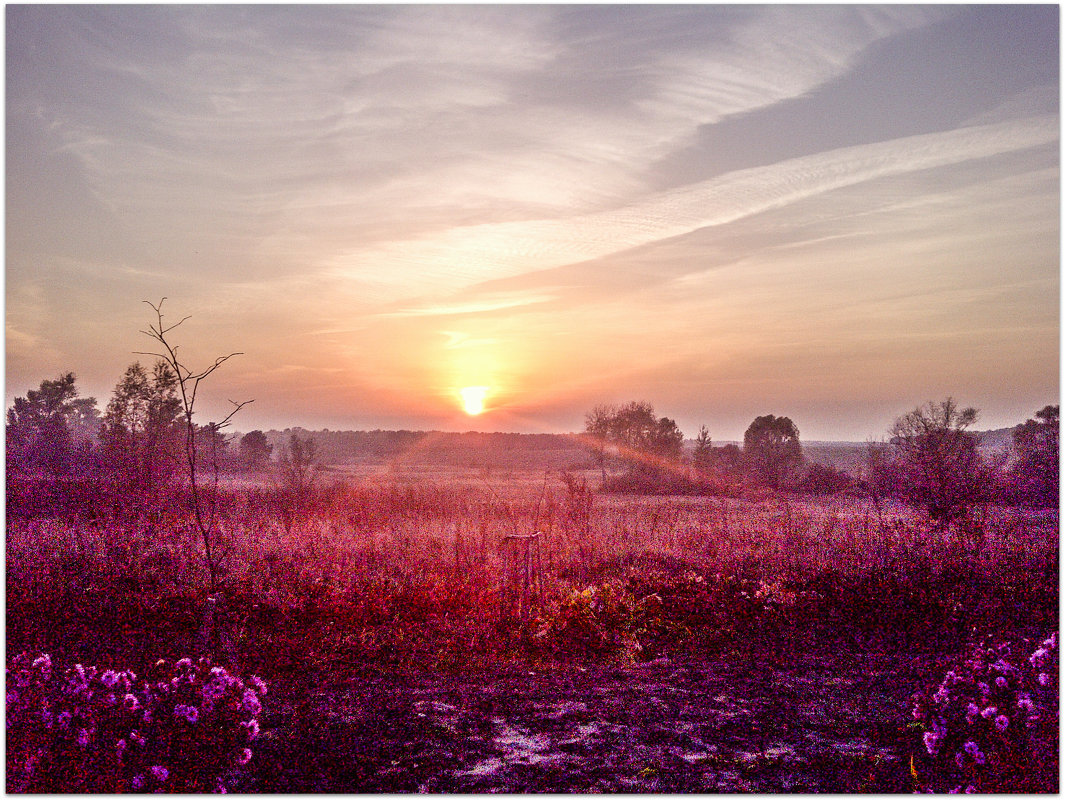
point(401, 585)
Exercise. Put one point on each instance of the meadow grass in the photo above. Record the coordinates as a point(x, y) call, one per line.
point(400, 569)
point(404, 570)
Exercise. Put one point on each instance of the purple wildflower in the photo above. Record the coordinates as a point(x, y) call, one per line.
point(183, 664)
point(931, 743)
point(83, 737)
point(959, 758)
point(245, 756)
point(971, 748)
point(1043, 679)
point(159, 772)
point(253, 728)
point(970, 789)
point(989, 712)
point(109, 678)
point(250, 702)
point(137, 737)
point(138, 781)
point(190, 713)
point(120, 746)
point(1002, 722)
point(1001, 682)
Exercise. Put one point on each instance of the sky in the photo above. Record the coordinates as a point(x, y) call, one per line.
point(833, 213)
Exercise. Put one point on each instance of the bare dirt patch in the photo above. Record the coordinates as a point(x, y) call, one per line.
point(809, 724)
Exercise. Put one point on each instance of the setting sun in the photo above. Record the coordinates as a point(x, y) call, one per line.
point(473, 399)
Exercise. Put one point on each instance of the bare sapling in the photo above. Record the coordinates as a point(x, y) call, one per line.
point(203, 505)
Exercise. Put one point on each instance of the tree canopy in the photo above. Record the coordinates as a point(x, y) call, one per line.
point(51, 428)
point(771, 449)
point(1035, 474)
point(938, 466)
point(635, 436)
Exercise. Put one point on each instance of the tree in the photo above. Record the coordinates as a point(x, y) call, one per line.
point(597, 425)
point(646, 443)
point(51, 429)
point(297, 475)
point(141, 428)
point(938, 467)
point(255, 450)
point(703, 455)
point(771, 449)
point(1035, 476)
point(203, 506)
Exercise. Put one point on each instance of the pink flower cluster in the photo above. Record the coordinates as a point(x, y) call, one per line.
point(991, 725)
point(183, 728)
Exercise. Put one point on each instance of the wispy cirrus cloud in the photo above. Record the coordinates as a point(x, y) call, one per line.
point(392, 192)
point(488, 302)
point(469, 254)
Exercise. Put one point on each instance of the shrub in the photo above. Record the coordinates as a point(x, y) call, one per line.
point(824, 480)
point(187, 728)
point(991, 726)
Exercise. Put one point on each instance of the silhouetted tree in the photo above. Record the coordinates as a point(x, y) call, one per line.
point(937, 464)
point(771, 449)
point(703, 454)
point(646, 443)
point(51, 429)
point(202, 505)
point(1036, 474)
point(255, 450)
point(597, 425)
point(141, 429)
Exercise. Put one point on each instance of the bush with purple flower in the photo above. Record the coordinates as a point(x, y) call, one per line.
point(991, 726)
point(185, 728)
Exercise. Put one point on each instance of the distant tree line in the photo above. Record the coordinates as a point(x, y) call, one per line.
point(137, 440)
point(930, 460)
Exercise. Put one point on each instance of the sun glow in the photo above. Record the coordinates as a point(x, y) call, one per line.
point(473, 399)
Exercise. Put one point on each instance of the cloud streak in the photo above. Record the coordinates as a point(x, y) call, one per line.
point(470, 254)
